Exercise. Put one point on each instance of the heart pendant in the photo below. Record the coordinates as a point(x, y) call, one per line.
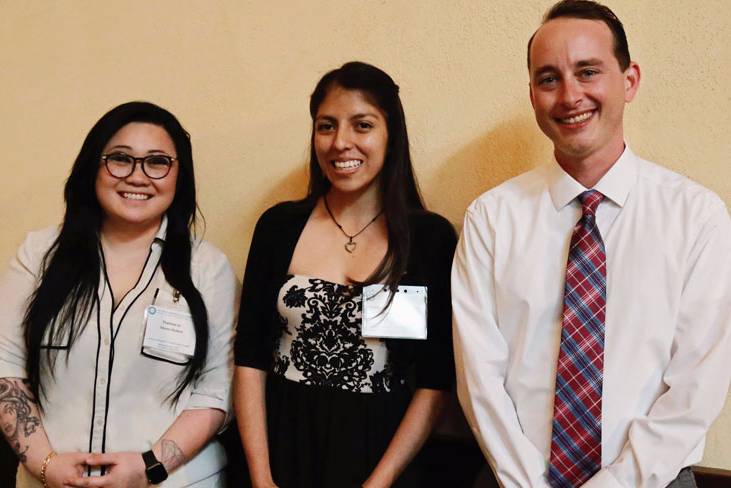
point(350, 246)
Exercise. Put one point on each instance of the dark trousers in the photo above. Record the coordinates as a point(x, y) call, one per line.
point(685, 479)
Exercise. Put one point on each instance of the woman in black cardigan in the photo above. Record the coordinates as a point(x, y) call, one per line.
point(318, 404)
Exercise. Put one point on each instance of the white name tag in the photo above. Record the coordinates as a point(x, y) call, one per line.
point(405, 318)
point(169, 334)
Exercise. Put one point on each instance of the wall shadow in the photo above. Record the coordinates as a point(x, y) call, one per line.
point(511, 148)
point(245, 213)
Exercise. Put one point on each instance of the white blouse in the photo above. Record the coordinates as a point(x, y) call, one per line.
point(105, 395)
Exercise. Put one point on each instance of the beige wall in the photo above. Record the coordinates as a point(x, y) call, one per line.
point(238, 75)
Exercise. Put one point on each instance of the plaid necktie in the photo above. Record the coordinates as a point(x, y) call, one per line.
point(576, 451)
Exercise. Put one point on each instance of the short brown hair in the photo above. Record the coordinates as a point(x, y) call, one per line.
point(588, 9)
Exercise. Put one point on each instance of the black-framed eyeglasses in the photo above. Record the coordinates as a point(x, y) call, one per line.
point(121, 165)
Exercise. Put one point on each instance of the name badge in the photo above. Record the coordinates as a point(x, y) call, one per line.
point(169, 334)
point(405, 318)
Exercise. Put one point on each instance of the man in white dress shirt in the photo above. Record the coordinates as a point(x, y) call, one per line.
point(661, 270)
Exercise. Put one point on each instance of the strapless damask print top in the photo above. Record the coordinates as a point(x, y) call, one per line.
point(321, 343)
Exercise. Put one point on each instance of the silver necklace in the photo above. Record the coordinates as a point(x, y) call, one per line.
point(351, 244)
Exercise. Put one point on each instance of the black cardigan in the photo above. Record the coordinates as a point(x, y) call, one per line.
point(429, 363)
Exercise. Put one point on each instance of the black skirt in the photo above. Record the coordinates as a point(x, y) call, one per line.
point(323, 437)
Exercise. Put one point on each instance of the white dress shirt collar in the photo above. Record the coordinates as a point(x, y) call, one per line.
point(615, 184)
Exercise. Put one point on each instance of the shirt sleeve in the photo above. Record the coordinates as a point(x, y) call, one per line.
point(253, 346)
point(661, 443)
point(218, 286)
point(481, 357)
point(434, 367)
point(16, 286)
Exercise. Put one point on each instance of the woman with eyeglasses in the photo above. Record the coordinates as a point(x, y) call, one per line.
point(116, 327)
point(343, 347)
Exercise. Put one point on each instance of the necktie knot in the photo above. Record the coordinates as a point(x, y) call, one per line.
point(589, 202)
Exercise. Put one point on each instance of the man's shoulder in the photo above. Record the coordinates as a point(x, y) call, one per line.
point(676, 189)
point(519, 189)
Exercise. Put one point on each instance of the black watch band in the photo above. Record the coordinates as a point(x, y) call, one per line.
point(155, 471)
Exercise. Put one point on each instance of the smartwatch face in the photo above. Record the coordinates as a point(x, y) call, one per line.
point(156, 474)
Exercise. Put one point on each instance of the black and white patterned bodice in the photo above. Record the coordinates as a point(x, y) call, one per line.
point(321, 341)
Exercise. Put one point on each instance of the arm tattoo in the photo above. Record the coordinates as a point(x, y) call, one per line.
point(16, 415)
point(172, 456)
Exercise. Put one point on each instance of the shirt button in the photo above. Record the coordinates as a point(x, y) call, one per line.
point(106, 342)
point(99, 422)
point(102, 381)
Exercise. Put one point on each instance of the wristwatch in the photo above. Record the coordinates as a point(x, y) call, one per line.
point(156, 472)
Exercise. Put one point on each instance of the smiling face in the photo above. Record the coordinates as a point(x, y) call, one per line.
point(137, 200)
point(578, 90)
point(350, 140)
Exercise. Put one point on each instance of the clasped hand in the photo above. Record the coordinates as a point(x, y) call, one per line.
point(123, 470)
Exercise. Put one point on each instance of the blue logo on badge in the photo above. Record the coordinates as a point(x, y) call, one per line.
point(151, 310)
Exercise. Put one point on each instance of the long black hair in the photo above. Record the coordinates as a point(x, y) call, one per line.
point(399, 191)
point(70, 272)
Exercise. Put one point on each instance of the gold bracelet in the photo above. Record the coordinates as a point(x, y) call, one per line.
point(44, 467)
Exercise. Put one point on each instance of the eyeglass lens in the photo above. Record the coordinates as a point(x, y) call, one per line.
point(155, 166)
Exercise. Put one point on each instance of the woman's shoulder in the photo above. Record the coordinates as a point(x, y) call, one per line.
point(286, 212)
point(34, 247)
point(289, 209)
point(208, 259)
point(207, 251)
point(423, 221)
point(43, 237)
point(39, 241)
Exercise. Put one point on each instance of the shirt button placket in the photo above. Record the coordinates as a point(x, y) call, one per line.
point(101, 391)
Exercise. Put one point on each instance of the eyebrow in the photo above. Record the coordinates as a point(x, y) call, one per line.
point(589, 62)
point(544, 69)
point(124, 146)
point(579, 64)
point(354, 117)
point(366, 114)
